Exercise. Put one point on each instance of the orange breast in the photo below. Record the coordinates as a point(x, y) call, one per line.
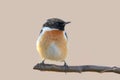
point(56, 37)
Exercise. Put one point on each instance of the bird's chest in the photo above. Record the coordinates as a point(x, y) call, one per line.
point(53, 40)
point(53, 44)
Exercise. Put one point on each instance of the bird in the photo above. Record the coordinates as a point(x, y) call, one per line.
point(52, 41)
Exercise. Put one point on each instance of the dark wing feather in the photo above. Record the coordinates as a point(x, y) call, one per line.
point(66, 35)
point(40, 31)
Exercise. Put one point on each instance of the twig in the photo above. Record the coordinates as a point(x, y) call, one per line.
point(79, 69)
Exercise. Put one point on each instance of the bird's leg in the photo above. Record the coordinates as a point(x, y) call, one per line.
point(66, 66)
point(42, 63)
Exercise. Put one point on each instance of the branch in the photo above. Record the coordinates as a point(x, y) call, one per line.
point(79, 69)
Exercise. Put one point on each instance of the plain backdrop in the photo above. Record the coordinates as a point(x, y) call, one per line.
point(94, 37)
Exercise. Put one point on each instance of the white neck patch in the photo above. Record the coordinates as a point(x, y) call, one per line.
point(48, 29)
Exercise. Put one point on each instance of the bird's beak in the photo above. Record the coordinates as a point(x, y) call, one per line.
point(67, 22)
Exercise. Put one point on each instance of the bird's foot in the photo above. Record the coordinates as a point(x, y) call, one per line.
point(42, 63)
point(66, 66)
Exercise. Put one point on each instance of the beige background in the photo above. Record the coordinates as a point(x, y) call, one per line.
point(94, 37)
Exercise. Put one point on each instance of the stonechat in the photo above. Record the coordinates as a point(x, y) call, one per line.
point(52, 40)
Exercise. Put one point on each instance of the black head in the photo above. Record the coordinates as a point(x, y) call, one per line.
point(55, 23)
